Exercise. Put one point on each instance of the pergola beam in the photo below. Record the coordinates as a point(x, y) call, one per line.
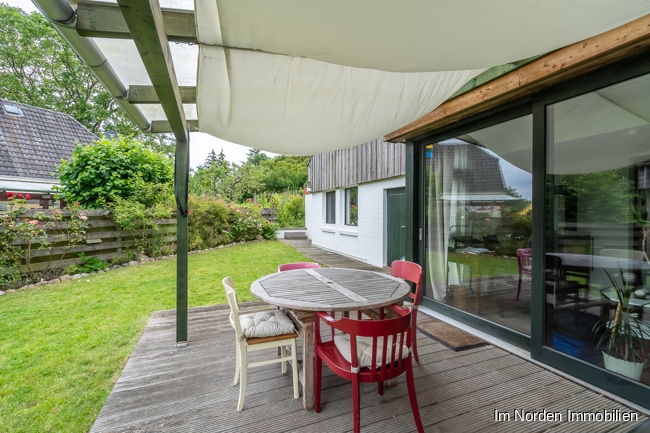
point(145, 23)
point(147, 28)
point(148, 95)
point(105, 20)
point(163, 126)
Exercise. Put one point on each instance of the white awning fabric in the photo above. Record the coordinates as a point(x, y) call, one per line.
point(309, 76)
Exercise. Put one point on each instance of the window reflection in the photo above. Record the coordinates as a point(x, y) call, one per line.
point(351, 206)
point(478, 216)
point(597, 267)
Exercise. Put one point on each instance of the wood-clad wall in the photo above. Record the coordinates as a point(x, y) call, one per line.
point(368, 162)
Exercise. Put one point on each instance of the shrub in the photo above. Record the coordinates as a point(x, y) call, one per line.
point(98, 174)
point(290, 209)
point(140, 212)
point(88, 265)
point(213, 222)
point(208, 223)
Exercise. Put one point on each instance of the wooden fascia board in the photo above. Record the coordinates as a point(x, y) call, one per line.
point(566, 63)
point(144, 19)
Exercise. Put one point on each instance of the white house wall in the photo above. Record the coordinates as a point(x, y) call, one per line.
point(365, 242)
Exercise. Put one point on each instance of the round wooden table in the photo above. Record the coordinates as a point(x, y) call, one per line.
point(305, 291)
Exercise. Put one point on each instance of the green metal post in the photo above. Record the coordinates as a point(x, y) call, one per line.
point(181, 174)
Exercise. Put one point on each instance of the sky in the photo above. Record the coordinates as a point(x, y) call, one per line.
point(201, 144)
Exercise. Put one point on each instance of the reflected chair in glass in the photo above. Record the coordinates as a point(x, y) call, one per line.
point(268, 329)
point(367, 351)
point(559, 290)
point(524, 262)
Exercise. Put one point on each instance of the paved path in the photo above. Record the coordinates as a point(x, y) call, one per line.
point(330, 258)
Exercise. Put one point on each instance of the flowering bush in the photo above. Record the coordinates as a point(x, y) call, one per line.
point(213, 222)
point(22, 236)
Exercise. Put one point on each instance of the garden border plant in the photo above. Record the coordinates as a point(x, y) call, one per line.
point(24, 232)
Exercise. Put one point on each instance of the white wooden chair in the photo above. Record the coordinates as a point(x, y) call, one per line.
point(267, 329)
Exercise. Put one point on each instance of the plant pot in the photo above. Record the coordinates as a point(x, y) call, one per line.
point(629, 369)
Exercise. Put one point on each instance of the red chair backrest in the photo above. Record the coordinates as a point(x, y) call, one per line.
point(297, 265)
point(524, 257)
point(395, 331)
point(410, 272)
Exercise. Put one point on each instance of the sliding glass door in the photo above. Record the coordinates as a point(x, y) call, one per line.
point(596, 263)
point(478, 216)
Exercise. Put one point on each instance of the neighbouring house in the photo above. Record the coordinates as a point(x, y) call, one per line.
point(356, 205)
point(33, 141)
point(571, 130)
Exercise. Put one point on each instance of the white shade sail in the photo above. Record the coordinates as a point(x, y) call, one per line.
point(308, 76)
point(311, 76)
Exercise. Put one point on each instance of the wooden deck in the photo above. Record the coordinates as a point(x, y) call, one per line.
point(168, 389)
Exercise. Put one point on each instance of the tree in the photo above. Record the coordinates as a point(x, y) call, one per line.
point(246, 182)
point(211, 177)
point(286, 173)
point(256, 156)
point(38, 68)
point(98, 174)
point(597, 197)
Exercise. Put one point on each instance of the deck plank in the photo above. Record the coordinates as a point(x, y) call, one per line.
point(165, 389)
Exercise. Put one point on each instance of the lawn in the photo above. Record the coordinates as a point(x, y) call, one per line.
point(63, 346)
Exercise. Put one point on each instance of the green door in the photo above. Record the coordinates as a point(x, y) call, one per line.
point(396, 242)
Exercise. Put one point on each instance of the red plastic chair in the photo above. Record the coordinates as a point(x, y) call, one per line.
point(367, 351)
point(297, 265)
point(410, 272)
point(524, 257)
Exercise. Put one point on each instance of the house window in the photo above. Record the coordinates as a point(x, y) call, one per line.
point(13, 110)
point(351, 207)
point(330, 207)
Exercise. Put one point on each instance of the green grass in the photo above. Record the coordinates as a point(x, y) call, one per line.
point(489, 265)
point(63, 346)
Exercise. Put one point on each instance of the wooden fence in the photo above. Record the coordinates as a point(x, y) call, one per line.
point(103, 239)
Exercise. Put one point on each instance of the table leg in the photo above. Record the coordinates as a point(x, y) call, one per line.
point(305, 324)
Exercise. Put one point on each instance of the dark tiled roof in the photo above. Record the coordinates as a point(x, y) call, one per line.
point(32, 145)
point(479, 171)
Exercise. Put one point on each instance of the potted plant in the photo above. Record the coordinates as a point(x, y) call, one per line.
point(621, 338)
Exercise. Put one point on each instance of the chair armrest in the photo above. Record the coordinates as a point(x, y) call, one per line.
point(326, 317)
point(400, 310)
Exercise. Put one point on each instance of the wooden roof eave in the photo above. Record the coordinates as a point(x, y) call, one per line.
point(561, 65)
